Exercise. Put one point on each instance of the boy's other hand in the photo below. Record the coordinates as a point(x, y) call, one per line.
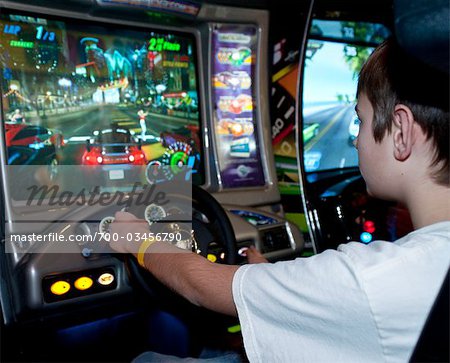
point(254, 256)
point(126, 225)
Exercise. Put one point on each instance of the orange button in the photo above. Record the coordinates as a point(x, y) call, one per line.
point(83, 283)
point(60, 287)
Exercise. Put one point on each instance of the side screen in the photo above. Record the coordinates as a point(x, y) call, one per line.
point(78, 93)
point(336, 51)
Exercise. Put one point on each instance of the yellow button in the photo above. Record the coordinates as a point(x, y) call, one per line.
point(60, 287)
point(211, 257)
point(106, 279)
point(83, 283)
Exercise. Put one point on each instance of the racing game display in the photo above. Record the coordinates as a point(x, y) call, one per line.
point(233, 68)
point(336, 51)
point(78, 93)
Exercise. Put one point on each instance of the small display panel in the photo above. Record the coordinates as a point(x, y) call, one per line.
point(79, 93)
point(233, 84)
point(256, 219)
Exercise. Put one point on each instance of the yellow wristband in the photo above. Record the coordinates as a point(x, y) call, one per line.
point(143, 249)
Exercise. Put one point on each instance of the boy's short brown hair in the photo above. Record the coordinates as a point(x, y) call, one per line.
point(390, 77)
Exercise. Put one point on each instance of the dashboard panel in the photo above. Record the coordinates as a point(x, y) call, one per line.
point(45, 270)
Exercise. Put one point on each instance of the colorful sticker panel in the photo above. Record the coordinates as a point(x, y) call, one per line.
point(233, 82)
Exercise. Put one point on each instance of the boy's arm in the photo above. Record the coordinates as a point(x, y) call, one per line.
point(200, 281)
point(194, 277)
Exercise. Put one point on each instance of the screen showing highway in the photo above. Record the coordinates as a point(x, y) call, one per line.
point(335, 54)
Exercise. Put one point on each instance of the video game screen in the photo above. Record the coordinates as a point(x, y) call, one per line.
point(82, 93)
point(336, 51)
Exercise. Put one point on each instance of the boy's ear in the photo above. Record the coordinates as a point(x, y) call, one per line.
point(403, 132)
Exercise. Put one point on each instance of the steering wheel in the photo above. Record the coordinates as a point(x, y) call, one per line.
point(211, 227)
point(343, 208)
point(212, 231)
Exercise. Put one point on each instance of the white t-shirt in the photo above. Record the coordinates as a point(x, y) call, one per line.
point(361, 303)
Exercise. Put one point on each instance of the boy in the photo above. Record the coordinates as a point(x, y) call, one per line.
point(359, 303)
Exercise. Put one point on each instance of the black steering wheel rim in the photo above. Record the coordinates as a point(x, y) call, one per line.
point(216, 213)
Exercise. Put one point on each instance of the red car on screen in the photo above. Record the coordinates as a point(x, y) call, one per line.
point(113, 146)
point(32, 136)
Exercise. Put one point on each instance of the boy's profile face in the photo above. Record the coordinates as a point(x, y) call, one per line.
point(374, 158)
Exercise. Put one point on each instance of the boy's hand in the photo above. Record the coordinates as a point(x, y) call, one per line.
point(254, 256)
point(126, 223)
